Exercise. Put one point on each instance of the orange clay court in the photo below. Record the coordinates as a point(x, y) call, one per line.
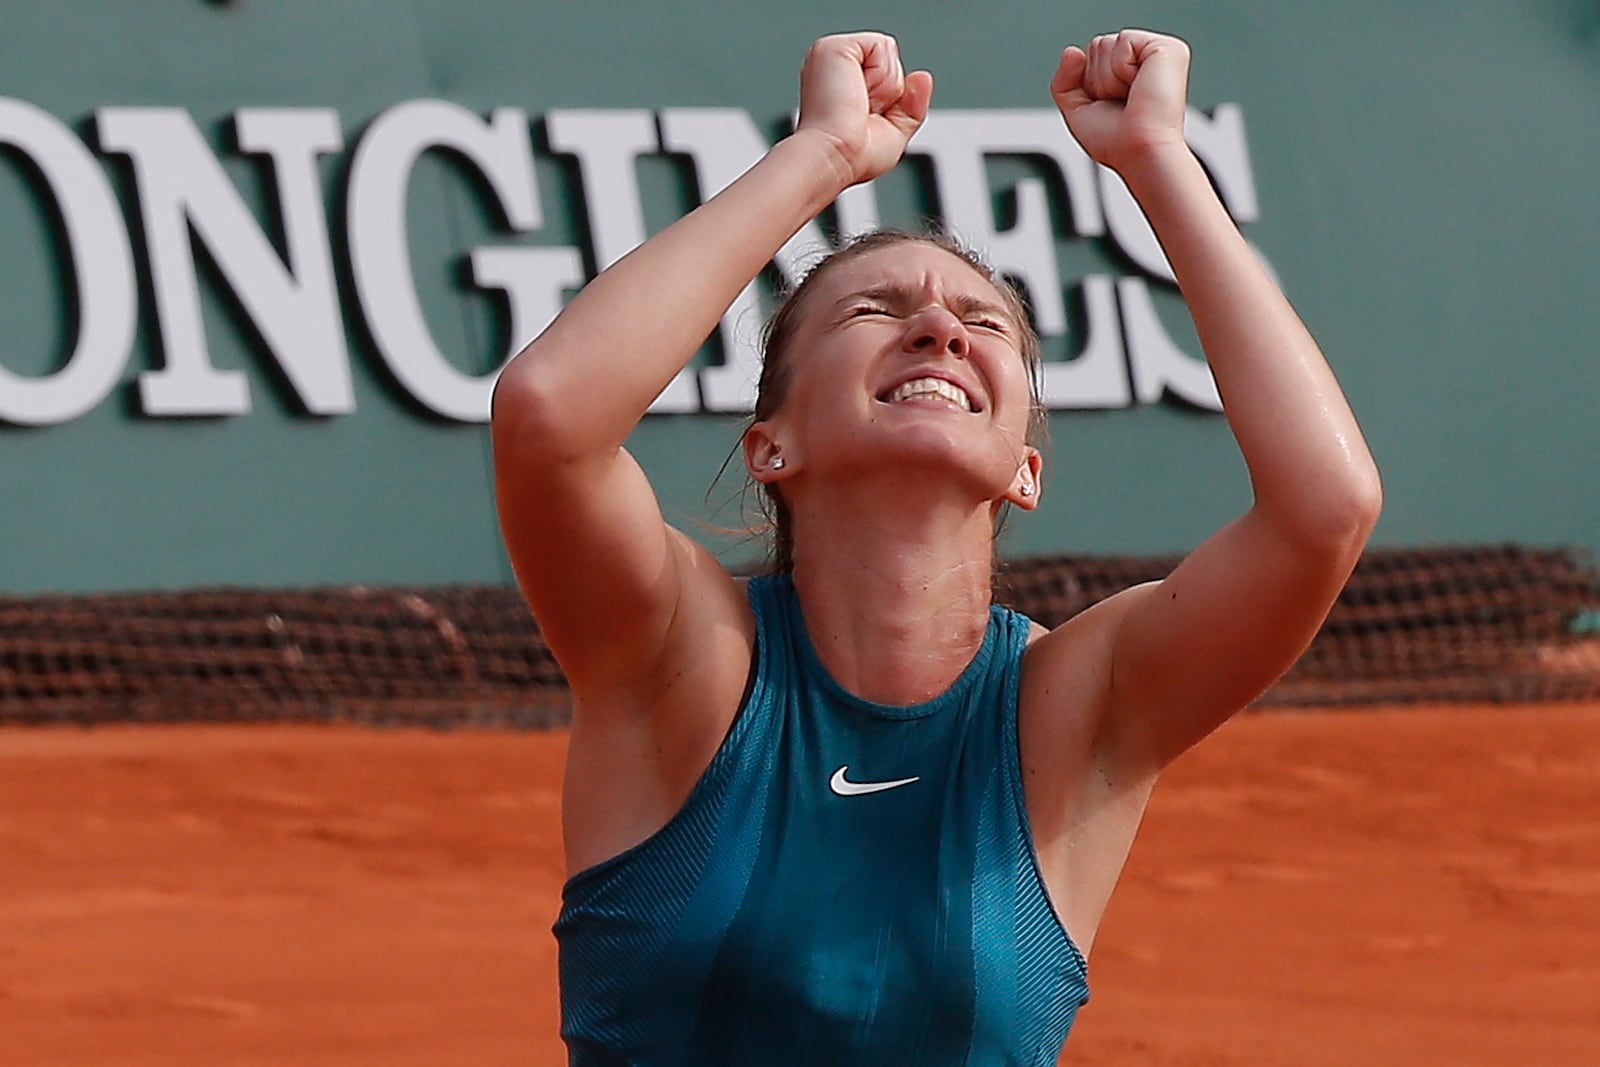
point(1416, 886)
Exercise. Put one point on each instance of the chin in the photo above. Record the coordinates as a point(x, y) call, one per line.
point(929, 452)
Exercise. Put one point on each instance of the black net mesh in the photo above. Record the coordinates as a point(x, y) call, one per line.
point(1497, 623)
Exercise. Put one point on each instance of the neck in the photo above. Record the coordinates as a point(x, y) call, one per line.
point(895, 597)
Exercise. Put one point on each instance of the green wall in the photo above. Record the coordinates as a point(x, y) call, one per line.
point(1426, 180)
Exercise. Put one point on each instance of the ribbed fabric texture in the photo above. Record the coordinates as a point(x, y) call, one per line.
point(774, 921)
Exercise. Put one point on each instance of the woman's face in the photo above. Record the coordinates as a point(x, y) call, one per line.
point(907, 358)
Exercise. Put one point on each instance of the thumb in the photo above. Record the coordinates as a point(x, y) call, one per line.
point(1067, 86)
point(911, 109)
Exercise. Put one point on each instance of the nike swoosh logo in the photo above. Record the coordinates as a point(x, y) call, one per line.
point(846, 788)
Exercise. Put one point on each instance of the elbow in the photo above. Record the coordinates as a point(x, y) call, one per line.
point(1360, 505)
point(1332, 518)
point(516, 394)
point(1361, 497)
point(529, 415)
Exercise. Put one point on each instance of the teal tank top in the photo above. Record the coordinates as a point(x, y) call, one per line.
point(848, 883)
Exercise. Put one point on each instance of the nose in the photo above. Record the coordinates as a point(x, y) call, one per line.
point(935, 330)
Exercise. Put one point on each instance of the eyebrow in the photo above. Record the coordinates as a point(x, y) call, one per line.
point(897, 296)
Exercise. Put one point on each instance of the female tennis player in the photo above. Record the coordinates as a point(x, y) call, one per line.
point(852, 812)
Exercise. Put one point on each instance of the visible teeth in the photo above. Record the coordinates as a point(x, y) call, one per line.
point(932, 387)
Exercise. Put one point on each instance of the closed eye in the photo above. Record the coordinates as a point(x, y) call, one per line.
point(992, 325)
point(866, 309)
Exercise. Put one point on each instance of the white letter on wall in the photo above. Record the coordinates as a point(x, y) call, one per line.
point(958, 142)
point(724, 143)
point(1155, 361)
point(1098, 376)
point(607, 144)
point(295, 308)
point(381, 254)
point(1219, 142)
point(102, 262)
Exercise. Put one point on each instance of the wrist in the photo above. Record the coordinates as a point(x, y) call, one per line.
point(1157, 164)
point(827, 164)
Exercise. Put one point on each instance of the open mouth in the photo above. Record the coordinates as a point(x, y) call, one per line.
point(930, 389)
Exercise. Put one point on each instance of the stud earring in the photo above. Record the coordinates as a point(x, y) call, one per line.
point(778, 463)
point(1026, 490)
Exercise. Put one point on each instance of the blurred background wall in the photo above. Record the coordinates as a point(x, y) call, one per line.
point(259, 261)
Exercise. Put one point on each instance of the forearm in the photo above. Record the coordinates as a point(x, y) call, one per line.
point(1308, 462)
point(592, 374)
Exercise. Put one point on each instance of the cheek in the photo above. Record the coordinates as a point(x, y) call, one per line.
point(806, 412)
point(828, 380)
point(1010, 380)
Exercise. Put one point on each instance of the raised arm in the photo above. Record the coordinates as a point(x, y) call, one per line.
point(1189, 651)
point(620, 596)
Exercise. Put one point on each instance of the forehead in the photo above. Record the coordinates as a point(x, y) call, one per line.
point(915, 265)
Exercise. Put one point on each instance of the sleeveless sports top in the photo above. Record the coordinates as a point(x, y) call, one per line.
point(848, 883)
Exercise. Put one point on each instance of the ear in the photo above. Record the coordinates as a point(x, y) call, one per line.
point(1026, 488)
point(762, 454)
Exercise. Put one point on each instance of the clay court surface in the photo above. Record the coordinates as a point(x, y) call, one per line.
point(1386, 886)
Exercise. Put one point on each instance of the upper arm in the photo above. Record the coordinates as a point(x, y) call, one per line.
point(1189, 651)
point(620, 596)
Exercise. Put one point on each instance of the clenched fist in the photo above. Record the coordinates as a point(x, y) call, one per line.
point(854, 90)
point(1125, 96)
